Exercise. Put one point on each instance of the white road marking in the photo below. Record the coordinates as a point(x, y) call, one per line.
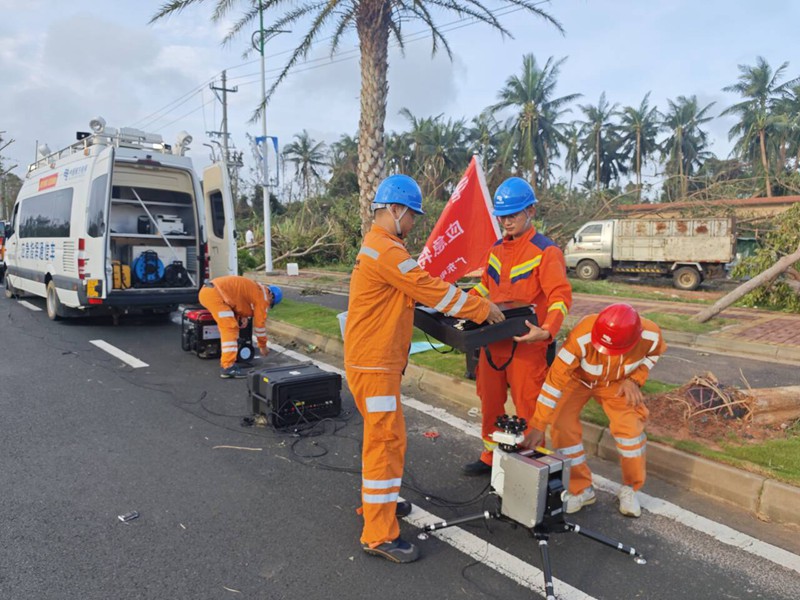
point(29, 306)
point(718, 531)
point(120, 354)
point(501, 561)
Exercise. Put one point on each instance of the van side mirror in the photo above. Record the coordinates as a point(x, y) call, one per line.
point(9, 231)
point(577, 239)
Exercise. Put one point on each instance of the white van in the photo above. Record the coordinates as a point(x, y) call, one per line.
point(117, 222)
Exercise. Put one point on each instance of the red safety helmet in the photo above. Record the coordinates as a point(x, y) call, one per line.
point(617, 329)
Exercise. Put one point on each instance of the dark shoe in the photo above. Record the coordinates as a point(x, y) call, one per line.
point(399, 551)
point(477, 468)
point(403, 509)
point(233, 372)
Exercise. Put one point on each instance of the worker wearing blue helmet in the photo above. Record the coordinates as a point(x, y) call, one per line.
point(385, 284)
point(523, 267)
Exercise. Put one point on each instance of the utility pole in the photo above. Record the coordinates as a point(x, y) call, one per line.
point(224, 100)
point(260, 38)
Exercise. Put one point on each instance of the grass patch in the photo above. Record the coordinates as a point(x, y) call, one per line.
point(622, 290)
point(684, 323)
point(305, 315)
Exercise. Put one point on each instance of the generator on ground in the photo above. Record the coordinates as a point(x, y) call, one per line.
point(200, 334)
point(293, 395)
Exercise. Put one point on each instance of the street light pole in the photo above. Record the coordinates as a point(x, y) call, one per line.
point(264, 146)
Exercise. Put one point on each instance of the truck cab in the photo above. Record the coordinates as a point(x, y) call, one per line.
point(589, 250)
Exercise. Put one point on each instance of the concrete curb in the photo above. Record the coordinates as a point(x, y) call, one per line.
point(765, 498)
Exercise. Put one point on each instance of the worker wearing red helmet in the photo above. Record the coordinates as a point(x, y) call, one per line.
point(524, 267)
point(608, 357)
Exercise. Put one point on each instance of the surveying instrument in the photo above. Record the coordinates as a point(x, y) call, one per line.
point(527, 486)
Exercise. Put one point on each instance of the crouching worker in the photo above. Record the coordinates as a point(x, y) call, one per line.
point(231, 298)
point(608, 357)
point(384, 286)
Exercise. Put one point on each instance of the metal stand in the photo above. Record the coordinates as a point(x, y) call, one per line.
point(552, 523)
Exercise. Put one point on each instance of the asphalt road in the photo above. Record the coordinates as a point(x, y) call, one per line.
point(227, 511)
point(677, 366)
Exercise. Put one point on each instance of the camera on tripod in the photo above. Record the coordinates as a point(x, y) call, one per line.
point(529, 482)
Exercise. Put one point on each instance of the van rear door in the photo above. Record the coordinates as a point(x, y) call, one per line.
point(98, 264)
point(220, 221)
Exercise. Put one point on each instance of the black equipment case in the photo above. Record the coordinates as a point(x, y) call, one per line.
point(291, 395)
point(465, 335)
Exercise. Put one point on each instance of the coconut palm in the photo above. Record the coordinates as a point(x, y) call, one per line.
point(570, 133)
point(760, 119)
point(309, 158)
point(685, 147)
point(639, 128)
point(600, 143)
point(534, 130)
point(375, 22)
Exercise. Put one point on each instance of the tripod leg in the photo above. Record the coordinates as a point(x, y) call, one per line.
point(607, 541)
point(442, 524)
point(546, 569)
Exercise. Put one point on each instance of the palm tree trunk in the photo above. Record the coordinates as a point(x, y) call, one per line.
point(545, 168)
point(597, 159)
point(639, 165)
point(762, 142)
point(372, 24)
point(683, 183)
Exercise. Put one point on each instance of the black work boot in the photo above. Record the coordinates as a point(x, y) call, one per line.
point(403, 509)
point(398, 550)
point(476, 469)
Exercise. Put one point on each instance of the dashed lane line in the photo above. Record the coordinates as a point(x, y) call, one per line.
point(718, 531)
point(29, 306)
point(120, 354)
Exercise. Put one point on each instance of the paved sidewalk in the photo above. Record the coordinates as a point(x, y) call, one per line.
point(758, 333)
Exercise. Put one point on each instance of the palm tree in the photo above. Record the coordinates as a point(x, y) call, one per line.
point(759, 114)
point(344, 166)
point(308, 156)
point(534, 130)
point(572, 144)
point(599, 143)
point(685, 148)
point(639, 128)
point(375, 22)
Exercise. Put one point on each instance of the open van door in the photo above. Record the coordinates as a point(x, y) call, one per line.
point(220, 222)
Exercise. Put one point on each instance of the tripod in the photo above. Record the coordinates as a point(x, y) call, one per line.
point(541, 503)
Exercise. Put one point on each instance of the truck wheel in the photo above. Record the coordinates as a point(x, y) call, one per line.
point(686, 278)
point(54, 310)
point(587, 270)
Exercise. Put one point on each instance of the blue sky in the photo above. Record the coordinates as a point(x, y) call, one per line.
point(63, 63)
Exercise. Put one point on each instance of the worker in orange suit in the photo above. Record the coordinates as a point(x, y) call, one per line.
point(526, 267)
point(230, 299)
point(384, 286)
point(608, 357)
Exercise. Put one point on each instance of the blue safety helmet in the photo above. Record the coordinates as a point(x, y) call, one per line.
point(277, 294)
point(513, 195)
point(399, 189)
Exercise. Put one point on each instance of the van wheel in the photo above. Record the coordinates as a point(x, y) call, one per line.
point(587, 270)
point(686, 278)
point(10, 291)
point(54, 310)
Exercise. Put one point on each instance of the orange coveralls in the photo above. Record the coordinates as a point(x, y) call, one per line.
point(529, 269)
point(385, 283)
point(230, 298)
point(581, 372)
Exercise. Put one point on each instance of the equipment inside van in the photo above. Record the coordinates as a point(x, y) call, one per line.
point(118, 201)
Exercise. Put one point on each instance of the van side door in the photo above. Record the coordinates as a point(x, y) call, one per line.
point(220, 221)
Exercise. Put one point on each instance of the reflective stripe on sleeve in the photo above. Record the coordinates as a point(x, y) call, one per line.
point(558, 306)
point(650, 361)
point(451, 291)
point(226, 313)
point(567, 356)
point(542, 399)
point(582, 341)
point(381, 498)
point(462, 299)
point(407, 265)
point(381, 404)
point(653, 337)
point(551, 390)
point(632, 366)
point(381, 484)
point(481, 289)
point(369, 252)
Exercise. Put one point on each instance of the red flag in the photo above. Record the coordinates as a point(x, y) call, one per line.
point(465, 230)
